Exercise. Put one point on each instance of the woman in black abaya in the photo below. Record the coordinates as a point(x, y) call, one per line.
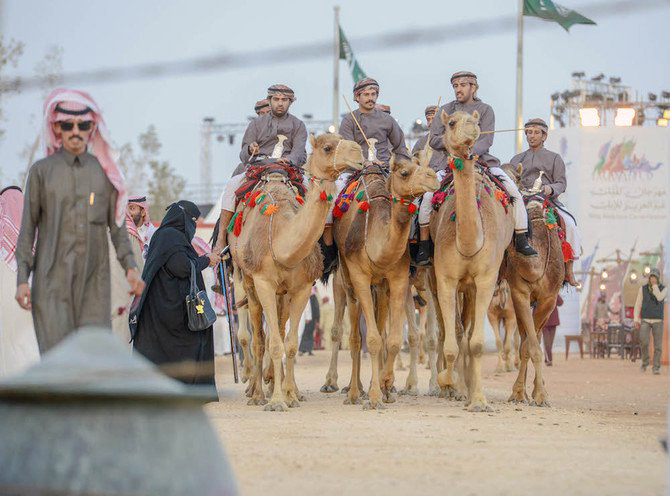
point(161, 332)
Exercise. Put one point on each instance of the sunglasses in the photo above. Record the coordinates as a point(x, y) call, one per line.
point(83, 126)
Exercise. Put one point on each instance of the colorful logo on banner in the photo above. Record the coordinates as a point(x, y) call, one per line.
point(620, 161)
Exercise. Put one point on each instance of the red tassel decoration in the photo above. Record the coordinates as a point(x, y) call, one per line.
point(567, 251)
point(323, 196)
point(252, 201)
point(337, 212)
point(300, 199)
point(237, 228)
point(412, 208)
point(363, 207)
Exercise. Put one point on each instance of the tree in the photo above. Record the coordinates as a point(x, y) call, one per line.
point(164, 186)
point(10, 53)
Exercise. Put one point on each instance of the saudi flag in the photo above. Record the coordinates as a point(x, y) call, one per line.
point(347, 54)
point(550, 11)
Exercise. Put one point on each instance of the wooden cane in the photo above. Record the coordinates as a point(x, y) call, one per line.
point(356, 120)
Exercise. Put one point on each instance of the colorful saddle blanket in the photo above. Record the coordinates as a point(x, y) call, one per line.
point(255, 173)
point(350, 190)
point(554, 218)
point(446, 188)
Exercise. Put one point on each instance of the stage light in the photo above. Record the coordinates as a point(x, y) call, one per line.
point(220, 138)
point(418, 122)
point(231, 139)
point(652, 97)
point(665, 94)
point(599, 77)
point(624, 117)
point(603, 287)
point(647, 270)
point(666, 114)
point(331, 129)
point(615, 80)
point(590, 117)
point(662, 122)
point(307, 117)
point(604, 274)
point(579, 286)
point(633, 276)
point(578, 74)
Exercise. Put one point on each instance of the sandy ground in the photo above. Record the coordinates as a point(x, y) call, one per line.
point(601, 436)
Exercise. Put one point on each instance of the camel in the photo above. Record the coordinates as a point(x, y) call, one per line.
point(372, 242)
point(471, 231)
point(536, 281)
point(276, 249)
point(501, 312)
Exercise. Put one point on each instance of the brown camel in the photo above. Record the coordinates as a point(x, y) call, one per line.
point(501, 312)
point(279, 257)
point(372, 240)
point(471, 231)
point(536, 281)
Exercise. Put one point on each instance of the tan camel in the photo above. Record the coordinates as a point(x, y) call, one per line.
point(340, 301)
point(501, 313)
point(536, 281)
point(279, 257)
point(373, 251)
point(471, 231)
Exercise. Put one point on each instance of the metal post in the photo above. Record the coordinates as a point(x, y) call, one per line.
point(519, 76)
point(336, 69)
point(206, 157)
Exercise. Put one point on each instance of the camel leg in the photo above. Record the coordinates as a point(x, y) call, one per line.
point(517, 344)
point(255, 390)
point(446, 295)
point(340, 298)
point(412, 383)
point(267, 296)
point(526, 328)
point(495, 322)
point(542, 311)
point(476, 398)
point(355, 388)
point(423, 316)
point(398, 291)
point(374, 340)
point(243, 334)
point(431, 345)
point(510, 330)
point(296, 307)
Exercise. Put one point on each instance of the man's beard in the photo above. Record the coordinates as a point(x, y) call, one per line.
point(137, 219)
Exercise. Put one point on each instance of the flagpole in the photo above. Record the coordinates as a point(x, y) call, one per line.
point(519, 76)
point(336, 69)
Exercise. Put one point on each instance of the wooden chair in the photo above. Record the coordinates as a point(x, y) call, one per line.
point(579, 339)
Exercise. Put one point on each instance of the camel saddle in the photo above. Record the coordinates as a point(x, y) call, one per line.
point(349, 190)
point(293, 176)
point(484, 170)
point(546, 202)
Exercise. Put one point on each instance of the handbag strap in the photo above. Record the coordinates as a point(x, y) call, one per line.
point(193, 284)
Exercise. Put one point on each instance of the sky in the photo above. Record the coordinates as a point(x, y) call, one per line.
point(97, 34)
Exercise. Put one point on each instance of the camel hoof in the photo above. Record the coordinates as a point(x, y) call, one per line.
point(352, 401)
point(293, 404)
point(540, 403)
point(509, 368)
point(393, 389)
point(373, 405)
point(257, 401)
point(516, 400)
point(389, 398)
point(459, 396)
point(345, 390)
point(409, 391)
point(364, 395)
point(479, 407)
point(276, 406)
point(244, 378)
point(329, 388)
point(434, 391)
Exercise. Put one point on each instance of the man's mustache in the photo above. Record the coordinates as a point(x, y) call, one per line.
point(76, 138)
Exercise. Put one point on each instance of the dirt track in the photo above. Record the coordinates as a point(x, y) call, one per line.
point(601, 436)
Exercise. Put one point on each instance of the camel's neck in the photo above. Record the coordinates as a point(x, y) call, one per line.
point(292, 243)
point(469, 232)
point(387, 240)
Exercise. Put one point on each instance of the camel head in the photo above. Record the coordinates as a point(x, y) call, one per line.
point(331, 155)
point(514, 172)
point(461, 130)
point(411, 178)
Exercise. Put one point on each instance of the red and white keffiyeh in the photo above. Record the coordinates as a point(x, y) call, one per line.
point(11, 208)
point(100, 144)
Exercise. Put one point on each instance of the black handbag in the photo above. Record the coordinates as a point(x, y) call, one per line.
point(201, 315)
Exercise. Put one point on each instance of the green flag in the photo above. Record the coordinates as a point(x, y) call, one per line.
point(347, 54)
point(550, 11)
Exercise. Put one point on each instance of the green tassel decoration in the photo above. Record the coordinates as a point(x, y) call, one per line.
point(330, 198)
point(359, 195)
point(453, 217)
point(551, 217)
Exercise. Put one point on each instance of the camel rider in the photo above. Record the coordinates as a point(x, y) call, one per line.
point(438, 160)
point(465, 89)
point(537, 159)
point(262, 140)
point(383, 134)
